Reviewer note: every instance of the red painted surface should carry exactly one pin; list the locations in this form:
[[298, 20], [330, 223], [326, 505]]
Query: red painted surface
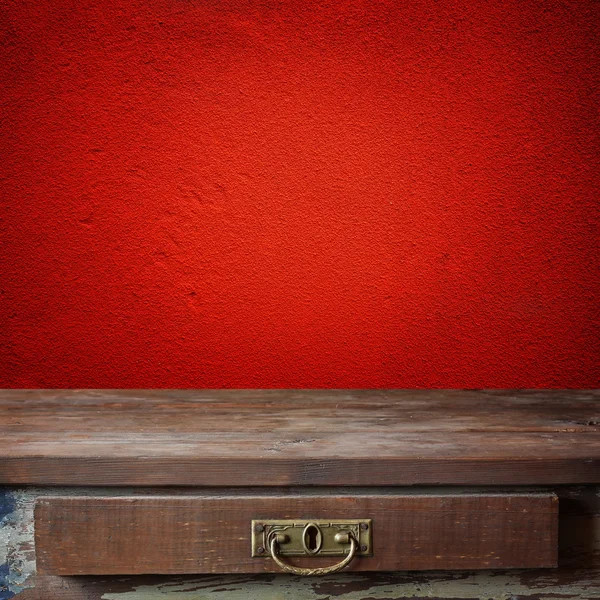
[[209, 193]]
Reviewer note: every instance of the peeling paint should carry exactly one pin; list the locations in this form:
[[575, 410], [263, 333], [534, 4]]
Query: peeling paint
[[463, 586], [17, 557], [17, 539], [5, 593], [7, 504], [581, 536]]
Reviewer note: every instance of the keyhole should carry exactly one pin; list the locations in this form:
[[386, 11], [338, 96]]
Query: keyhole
[[312, 539]]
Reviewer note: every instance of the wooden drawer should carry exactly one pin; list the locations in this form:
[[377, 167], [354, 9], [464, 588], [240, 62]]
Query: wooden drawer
[[211, 532]]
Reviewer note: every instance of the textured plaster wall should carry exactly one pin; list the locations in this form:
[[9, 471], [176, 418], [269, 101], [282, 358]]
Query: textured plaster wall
[[261, 193]]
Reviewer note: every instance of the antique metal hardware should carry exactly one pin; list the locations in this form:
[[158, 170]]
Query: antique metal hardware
[[274, 547], [318, 537]]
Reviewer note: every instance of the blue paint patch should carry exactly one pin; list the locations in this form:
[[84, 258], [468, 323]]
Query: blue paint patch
[[7, 504], [5, 593]]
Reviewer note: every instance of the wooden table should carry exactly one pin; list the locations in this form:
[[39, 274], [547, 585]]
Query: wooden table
[[135, 483]]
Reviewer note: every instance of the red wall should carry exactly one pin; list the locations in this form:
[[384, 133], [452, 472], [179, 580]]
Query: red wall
[[262, 193]]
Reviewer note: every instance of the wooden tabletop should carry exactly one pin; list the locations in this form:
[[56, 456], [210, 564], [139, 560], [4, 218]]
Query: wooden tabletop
[[299, 437]]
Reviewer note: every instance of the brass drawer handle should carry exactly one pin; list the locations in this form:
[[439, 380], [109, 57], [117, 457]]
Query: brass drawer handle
[[274, 547]]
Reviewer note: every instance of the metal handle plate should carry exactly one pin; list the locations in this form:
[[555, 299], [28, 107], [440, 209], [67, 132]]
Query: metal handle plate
[[313, 537]]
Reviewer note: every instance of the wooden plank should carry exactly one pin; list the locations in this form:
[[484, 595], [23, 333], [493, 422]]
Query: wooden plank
[[211, 533], [565, 583], [299, 437], [382, 460], [578, 575], [326, 411]]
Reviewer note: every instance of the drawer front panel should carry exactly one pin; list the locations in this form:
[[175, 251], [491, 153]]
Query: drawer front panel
[[212, 533]]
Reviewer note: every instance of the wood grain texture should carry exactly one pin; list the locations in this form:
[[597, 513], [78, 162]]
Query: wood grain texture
[[299, 437], [211, 533], [577, 578], [565, 583]]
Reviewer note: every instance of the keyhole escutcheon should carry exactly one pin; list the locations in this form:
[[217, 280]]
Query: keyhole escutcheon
[[312, 539]]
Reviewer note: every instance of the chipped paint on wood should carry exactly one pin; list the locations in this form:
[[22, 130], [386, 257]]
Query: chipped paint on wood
[[17, 557], [490, 585], [5, 593], [579, 578], [524, 585], [17, 543]]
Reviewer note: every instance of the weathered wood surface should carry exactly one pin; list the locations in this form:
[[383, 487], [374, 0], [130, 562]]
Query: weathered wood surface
[[578, 575], [564, 583], [211, 533], [299, 437]]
